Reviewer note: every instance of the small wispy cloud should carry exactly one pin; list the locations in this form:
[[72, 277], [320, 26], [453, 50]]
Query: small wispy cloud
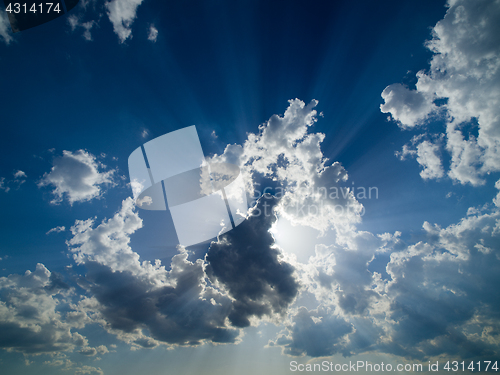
[[57, 230], [5, 34], [153, 33], [19, 179], [74, 22]]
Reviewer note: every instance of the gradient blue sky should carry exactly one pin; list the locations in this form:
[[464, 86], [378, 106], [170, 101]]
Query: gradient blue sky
[[82, 92]]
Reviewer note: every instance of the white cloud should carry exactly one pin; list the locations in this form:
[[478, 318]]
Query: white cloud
[[465, 70], [286, 152], [76, 177], [66, 364], [88, 26], [440, 297], [74, 22], [122, 14], [90, 351], [30, 317], [108, 243], [409, 107], [19, 179], [428, 158], [436, 297], [57, 229], [496, 200], [405, 152], [149, 298], [88, 370], [5, 32], [153, 33], [20, 174]]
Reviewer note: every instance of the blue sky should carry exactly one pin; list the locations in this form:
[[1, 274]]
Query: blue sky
[[401, 97]]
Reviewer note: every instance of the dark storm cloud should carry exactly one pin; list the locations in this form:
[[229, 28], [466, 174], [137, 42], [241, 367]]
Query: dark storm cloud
[[171, 314], [247, 264]]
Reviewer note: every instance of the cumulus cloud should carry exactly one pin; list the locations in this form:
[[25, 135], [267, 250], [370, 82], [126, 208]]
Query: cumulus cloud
[[440, 296], [286, 153], [143, 303], [90, 351], [464, 73], [30, 317], [243, 276], [122, 14], [246, 262], [108, 243], [436, 297], [181, 311], [76, 177], [315, 333], [338, 274], [408, 107], [428, 157], [443, 292]]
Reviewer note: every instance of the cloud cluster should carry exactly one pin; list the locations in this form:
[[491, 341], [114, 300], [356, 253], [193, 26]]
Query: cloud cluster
[[19, 179], [286, 153], [76, 177], [145, 305], [121, 14], [67, 365], [440, 296], [435, 297], [464, 76], [75, 23], [30, 317]]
